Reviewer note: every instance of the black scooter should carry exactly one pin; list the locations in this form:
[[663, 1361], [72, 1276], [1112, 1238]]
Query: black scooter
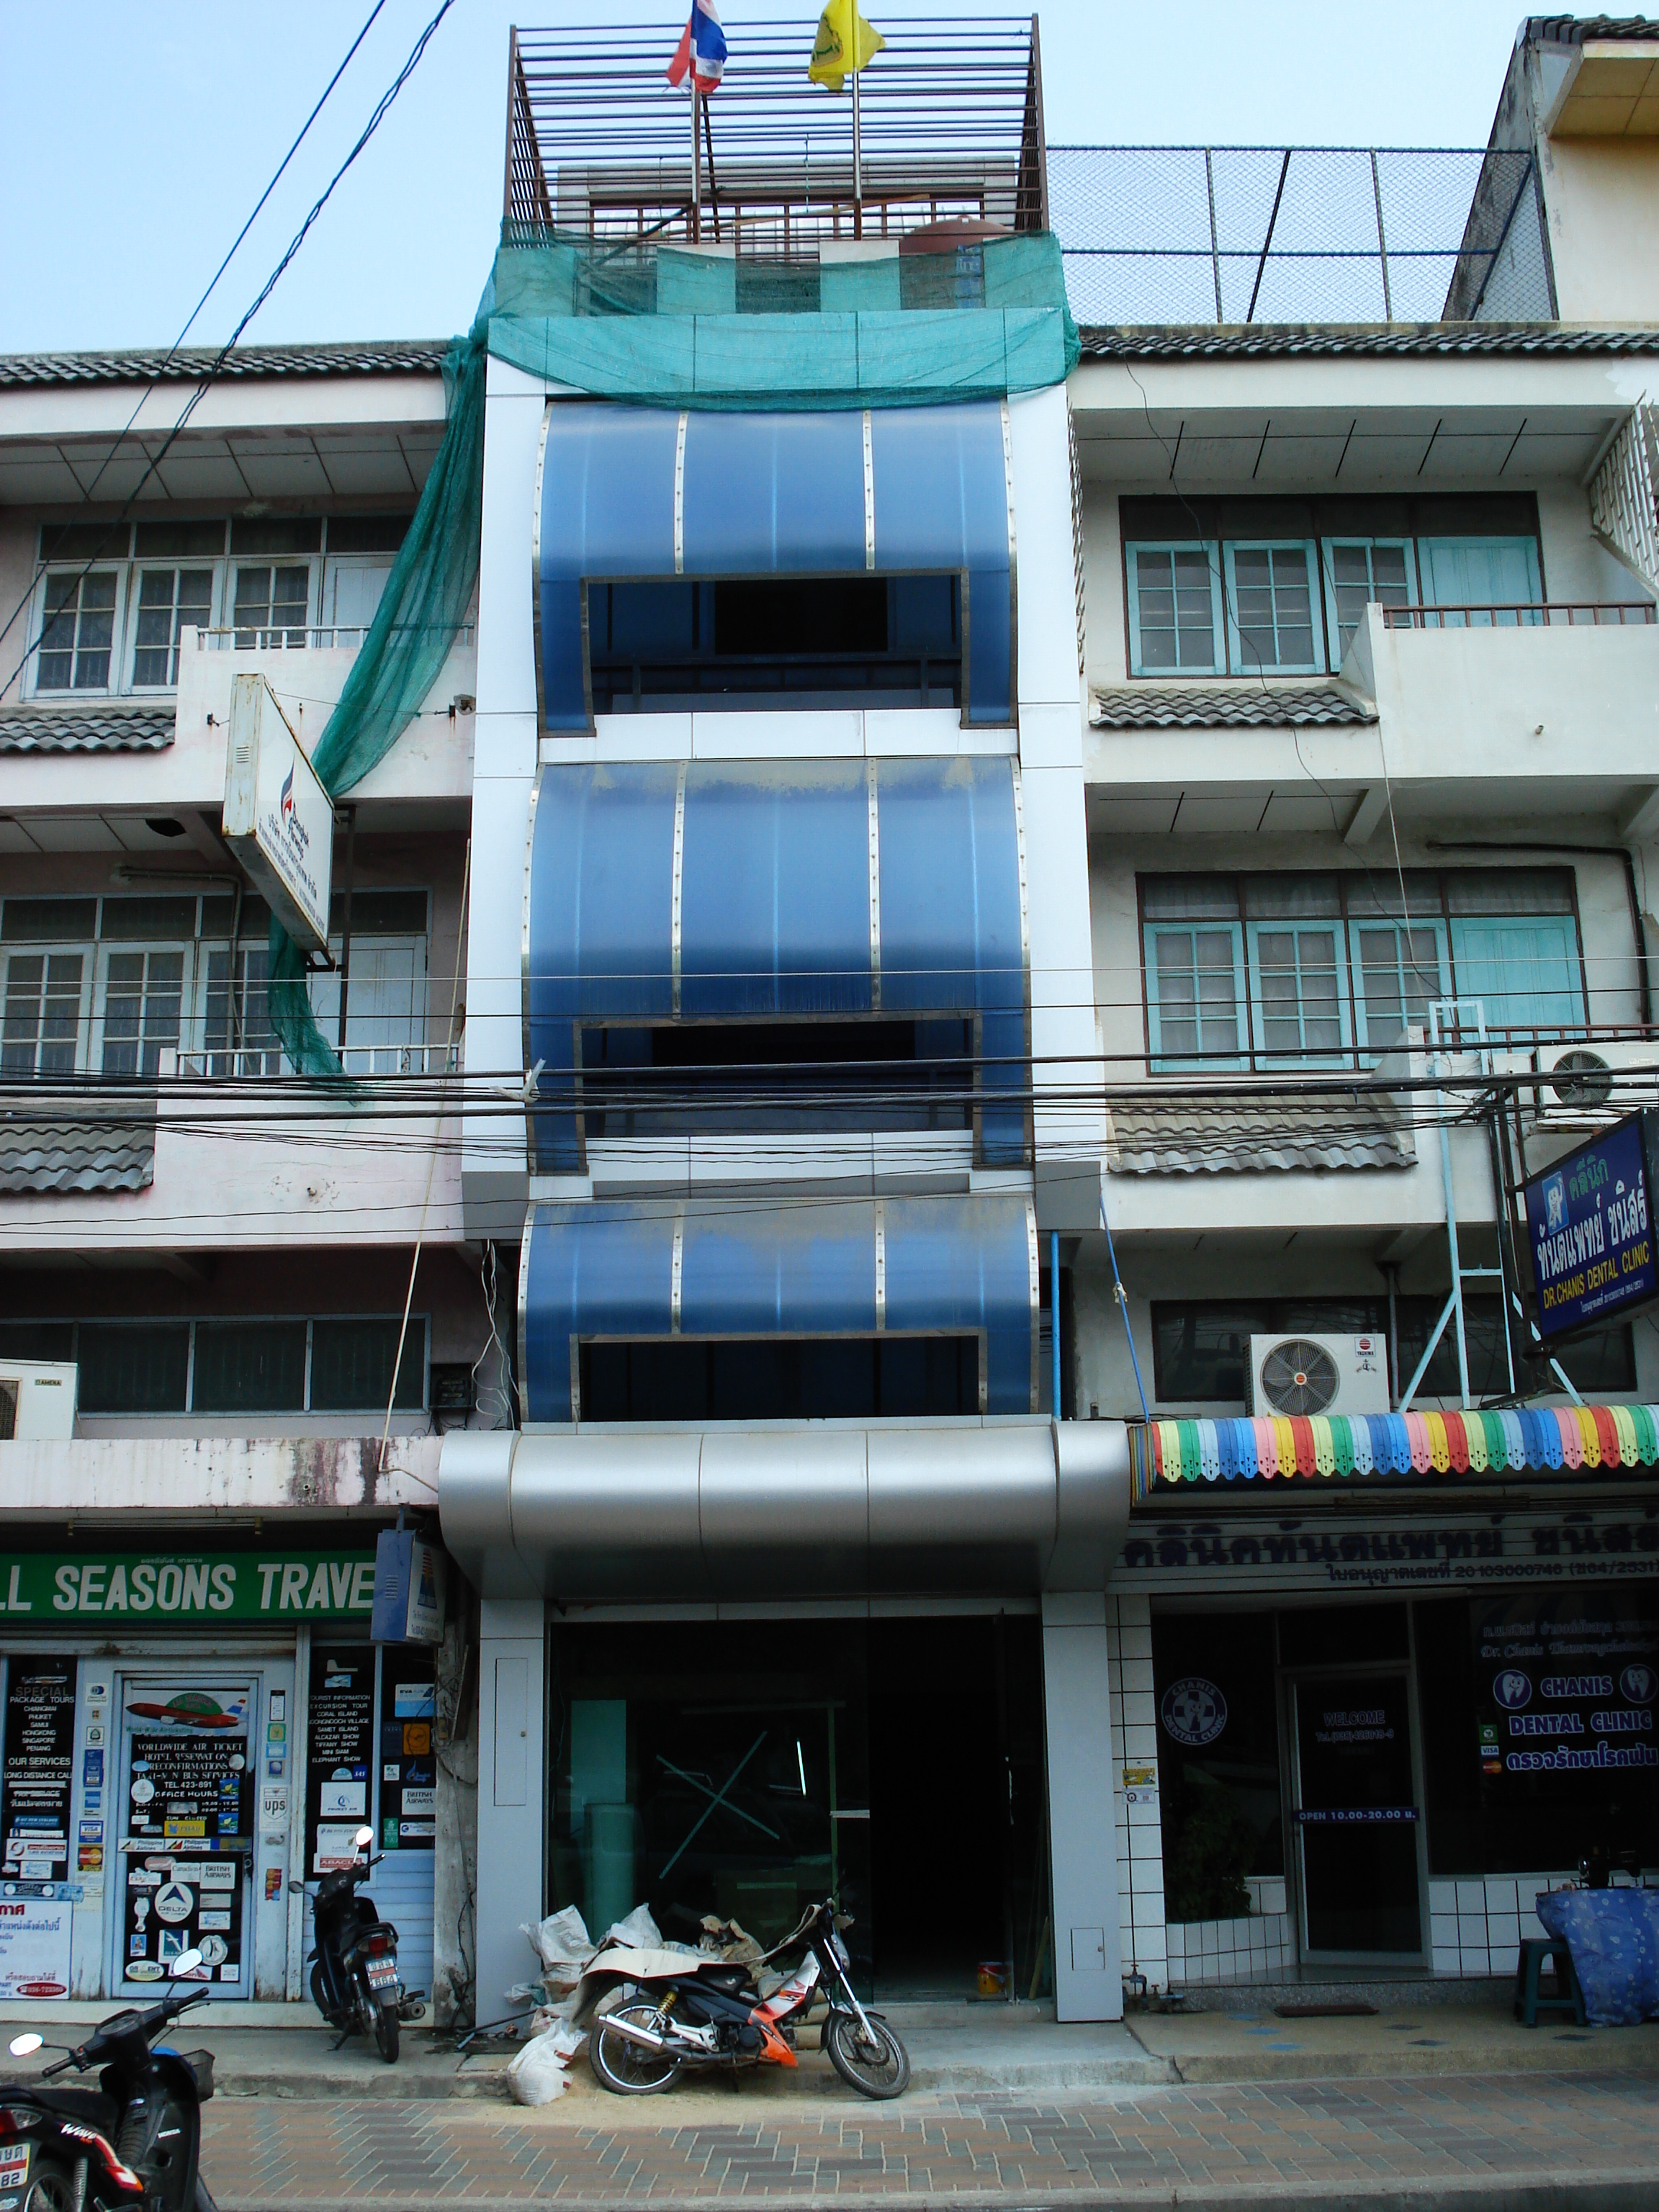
[[354, 1974], [131, 2144]]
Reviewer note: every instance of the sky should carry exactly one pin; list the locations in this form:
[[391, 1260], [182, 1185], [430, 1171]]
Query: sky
[[137, 137]]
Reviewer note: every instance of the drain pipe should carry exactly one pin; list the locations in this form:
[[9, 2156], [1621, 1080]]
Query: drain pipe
[[1054, 1312], [1123, 1308]]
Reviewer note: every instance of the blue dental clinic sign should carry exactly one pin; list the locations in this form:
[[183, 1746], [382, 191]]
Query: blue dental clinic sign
[[1590, 1222]]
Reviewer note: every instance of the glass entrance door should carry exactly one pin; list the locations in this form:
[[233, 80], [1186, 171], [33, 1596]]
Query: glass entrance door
[[711, 1771], [184, 1807], [1355, 1817]]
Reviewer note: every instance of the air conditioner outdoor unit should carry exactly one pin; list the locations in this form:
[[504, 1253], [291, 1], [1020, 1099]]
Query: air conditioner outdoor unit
[[1592, 1085], [37, 1400], [1293, 1374]]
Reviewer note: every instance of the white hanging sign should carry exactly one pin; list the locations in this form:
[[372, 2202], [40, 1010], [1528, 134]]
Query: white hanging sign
[[278, 818]]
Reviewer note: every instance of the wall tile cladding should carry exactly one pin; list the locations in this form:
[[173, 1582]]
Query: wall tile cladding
[[1134, 1741], [1476, 1923]]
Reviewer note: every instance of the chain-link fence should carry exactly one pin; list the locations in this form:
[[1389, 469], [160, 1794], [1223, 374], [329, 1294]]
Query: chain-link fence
[[1298, 234]]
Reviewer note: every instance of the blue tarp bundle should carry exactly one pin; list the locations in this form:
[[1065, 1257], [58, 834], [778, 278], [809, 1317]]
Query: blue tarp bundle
[[1613, 1937]]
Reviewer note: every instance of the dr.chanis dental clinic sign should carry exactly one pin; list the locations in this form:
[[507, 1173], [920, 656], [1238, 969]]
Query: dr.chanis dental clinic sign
[[278, 819]]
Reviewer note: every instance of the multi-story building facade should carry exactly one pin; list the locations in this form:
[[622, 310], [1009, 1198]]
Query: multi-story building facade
[[209, 1268], [965, 892]]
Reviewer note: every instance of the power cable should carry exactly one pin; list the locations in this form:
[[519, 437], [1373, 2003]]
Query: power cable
[[269, 285], [156, 375]]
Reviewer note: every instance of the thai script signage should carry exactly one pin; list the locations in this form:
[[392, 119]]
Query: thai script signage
[[1566, 1682], [1412, 1551], [1589, 1228], [43, 1590]]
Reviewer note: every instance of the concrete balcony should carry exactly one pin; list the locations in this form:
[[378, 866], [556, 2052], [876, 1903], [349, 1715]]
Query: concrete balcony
[[180, 1166], [432, 762], [1479, 712]]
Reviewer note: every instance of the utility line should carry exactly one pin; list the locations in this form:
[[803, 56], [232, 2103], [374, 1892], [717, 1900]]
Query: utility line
[[269, 287], [157, 374]]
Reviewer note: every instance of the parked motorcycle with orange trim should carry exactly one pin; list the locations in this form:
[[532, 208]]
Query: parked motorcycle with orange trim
[[681, 2012]]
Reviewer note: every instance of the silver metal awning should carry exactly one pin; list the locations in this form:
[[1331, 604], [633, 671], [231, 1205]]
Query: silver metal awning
[[823, 1509]]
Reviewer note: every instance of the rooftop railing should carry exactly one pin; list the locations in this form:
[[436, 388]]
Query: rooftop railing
[[1237, 234], [599, 143]]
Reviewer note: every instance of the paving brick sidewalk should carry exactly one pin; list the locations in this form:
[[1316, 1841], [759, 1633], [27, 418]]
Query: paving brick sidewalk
[[1313, 2141]]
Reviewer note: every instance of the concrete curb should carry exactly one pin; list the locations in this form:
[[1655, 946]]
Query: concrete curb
[[1618, 2192]]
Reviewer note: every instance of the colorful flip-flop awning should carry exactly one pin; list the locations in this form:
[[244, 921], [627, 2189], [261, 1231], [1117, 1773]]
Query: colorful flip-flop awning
[[1387, 1447]]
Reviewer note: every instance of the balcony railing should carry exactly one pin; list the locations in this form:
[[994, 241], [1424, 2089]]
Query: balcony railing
[[357, 1059], [308, 638], [1527, 615]]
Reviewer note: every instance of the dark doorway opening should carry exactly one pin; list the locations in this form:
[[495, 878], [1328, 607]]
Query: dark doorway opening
[[958, 1833]]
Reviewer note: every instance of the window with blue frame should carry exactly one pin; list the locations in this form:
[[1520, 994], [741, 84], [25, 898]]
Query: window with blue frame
[[1361, 572], [1299, 981], [1274, 969], [1268, 585], [1273, 608], [1174, 611]]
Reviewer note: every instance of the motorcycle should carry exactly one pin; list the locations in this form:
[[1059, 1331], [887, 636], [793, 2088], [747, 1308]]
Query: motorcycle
[[354, 1967], [132, 2143], [701, 2013]]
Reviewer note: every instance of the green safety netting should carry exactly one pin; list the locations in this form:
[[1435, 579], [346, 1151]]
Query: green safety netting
[[421, 612], [679, 326], [671, 325]]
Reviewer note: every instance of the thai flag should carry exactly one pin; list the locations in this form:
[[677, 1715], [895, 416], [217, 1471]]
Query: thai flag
[[702, 48]]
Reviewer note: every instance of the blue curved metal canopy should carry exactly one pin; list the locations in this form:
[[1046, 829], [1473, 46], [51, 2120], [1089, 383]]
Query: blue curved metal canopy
[[806, 889]]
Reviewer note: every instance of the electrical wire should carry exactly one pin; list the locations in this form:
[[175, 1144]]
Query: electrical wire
[[266, 289]]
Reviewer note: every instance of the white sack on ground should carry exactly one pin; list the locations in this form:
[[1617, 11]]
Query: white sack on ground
[[562, 1944], [639, 1932]]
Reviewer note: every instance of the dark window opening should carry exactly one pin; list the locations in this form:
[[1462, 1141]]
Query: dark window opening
[[779, 1378], [1201, 1348], [760, 1075], [822, 641]]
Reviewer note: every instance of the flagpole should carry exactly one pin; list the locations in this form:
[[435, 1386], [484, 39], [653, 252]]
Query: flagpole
[[696, 168], [858, 151]]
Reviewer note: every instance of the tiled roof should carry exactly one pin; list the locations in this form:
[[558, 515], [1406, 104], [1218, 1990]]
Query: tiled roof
[[1169, 1135], [86, 729], [391, 357], [1211, 340], [1222, 707], [92, 1145], [1577, 30]]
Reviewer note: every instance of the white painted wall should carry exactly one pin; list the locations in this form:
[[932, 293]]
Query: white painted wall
[[1076, 1691], [512, 1804]]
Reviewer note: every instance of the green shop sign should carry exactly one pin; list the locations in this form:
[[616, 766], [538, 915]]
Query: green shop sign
[[292, 1586]]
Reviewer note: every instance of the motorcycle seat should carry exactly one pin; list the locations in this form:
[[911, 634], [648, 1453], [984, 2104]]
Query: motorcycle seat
[[731, 1981], [91, 2107]]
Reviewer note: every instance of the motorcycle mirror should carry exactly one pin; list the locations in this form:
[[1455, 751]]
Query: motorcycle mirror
[[296, 1889], [363, 1837], [185, 1963], [24, 2046]]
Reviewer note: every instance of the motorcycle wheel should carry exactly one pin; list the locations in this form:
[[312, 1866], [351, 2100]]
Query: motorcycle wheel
[[876, 2065], [386, 2033], [629, 2070], [51, 2190]]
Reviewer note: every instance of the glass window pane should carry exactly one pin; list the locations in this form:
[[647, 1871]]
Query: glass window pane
[[133, 1367], [250, 1367], [351, 1366]]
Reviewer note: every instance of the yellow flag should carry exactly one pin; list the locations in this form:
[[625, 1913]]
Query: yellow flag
[[845, 42]]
